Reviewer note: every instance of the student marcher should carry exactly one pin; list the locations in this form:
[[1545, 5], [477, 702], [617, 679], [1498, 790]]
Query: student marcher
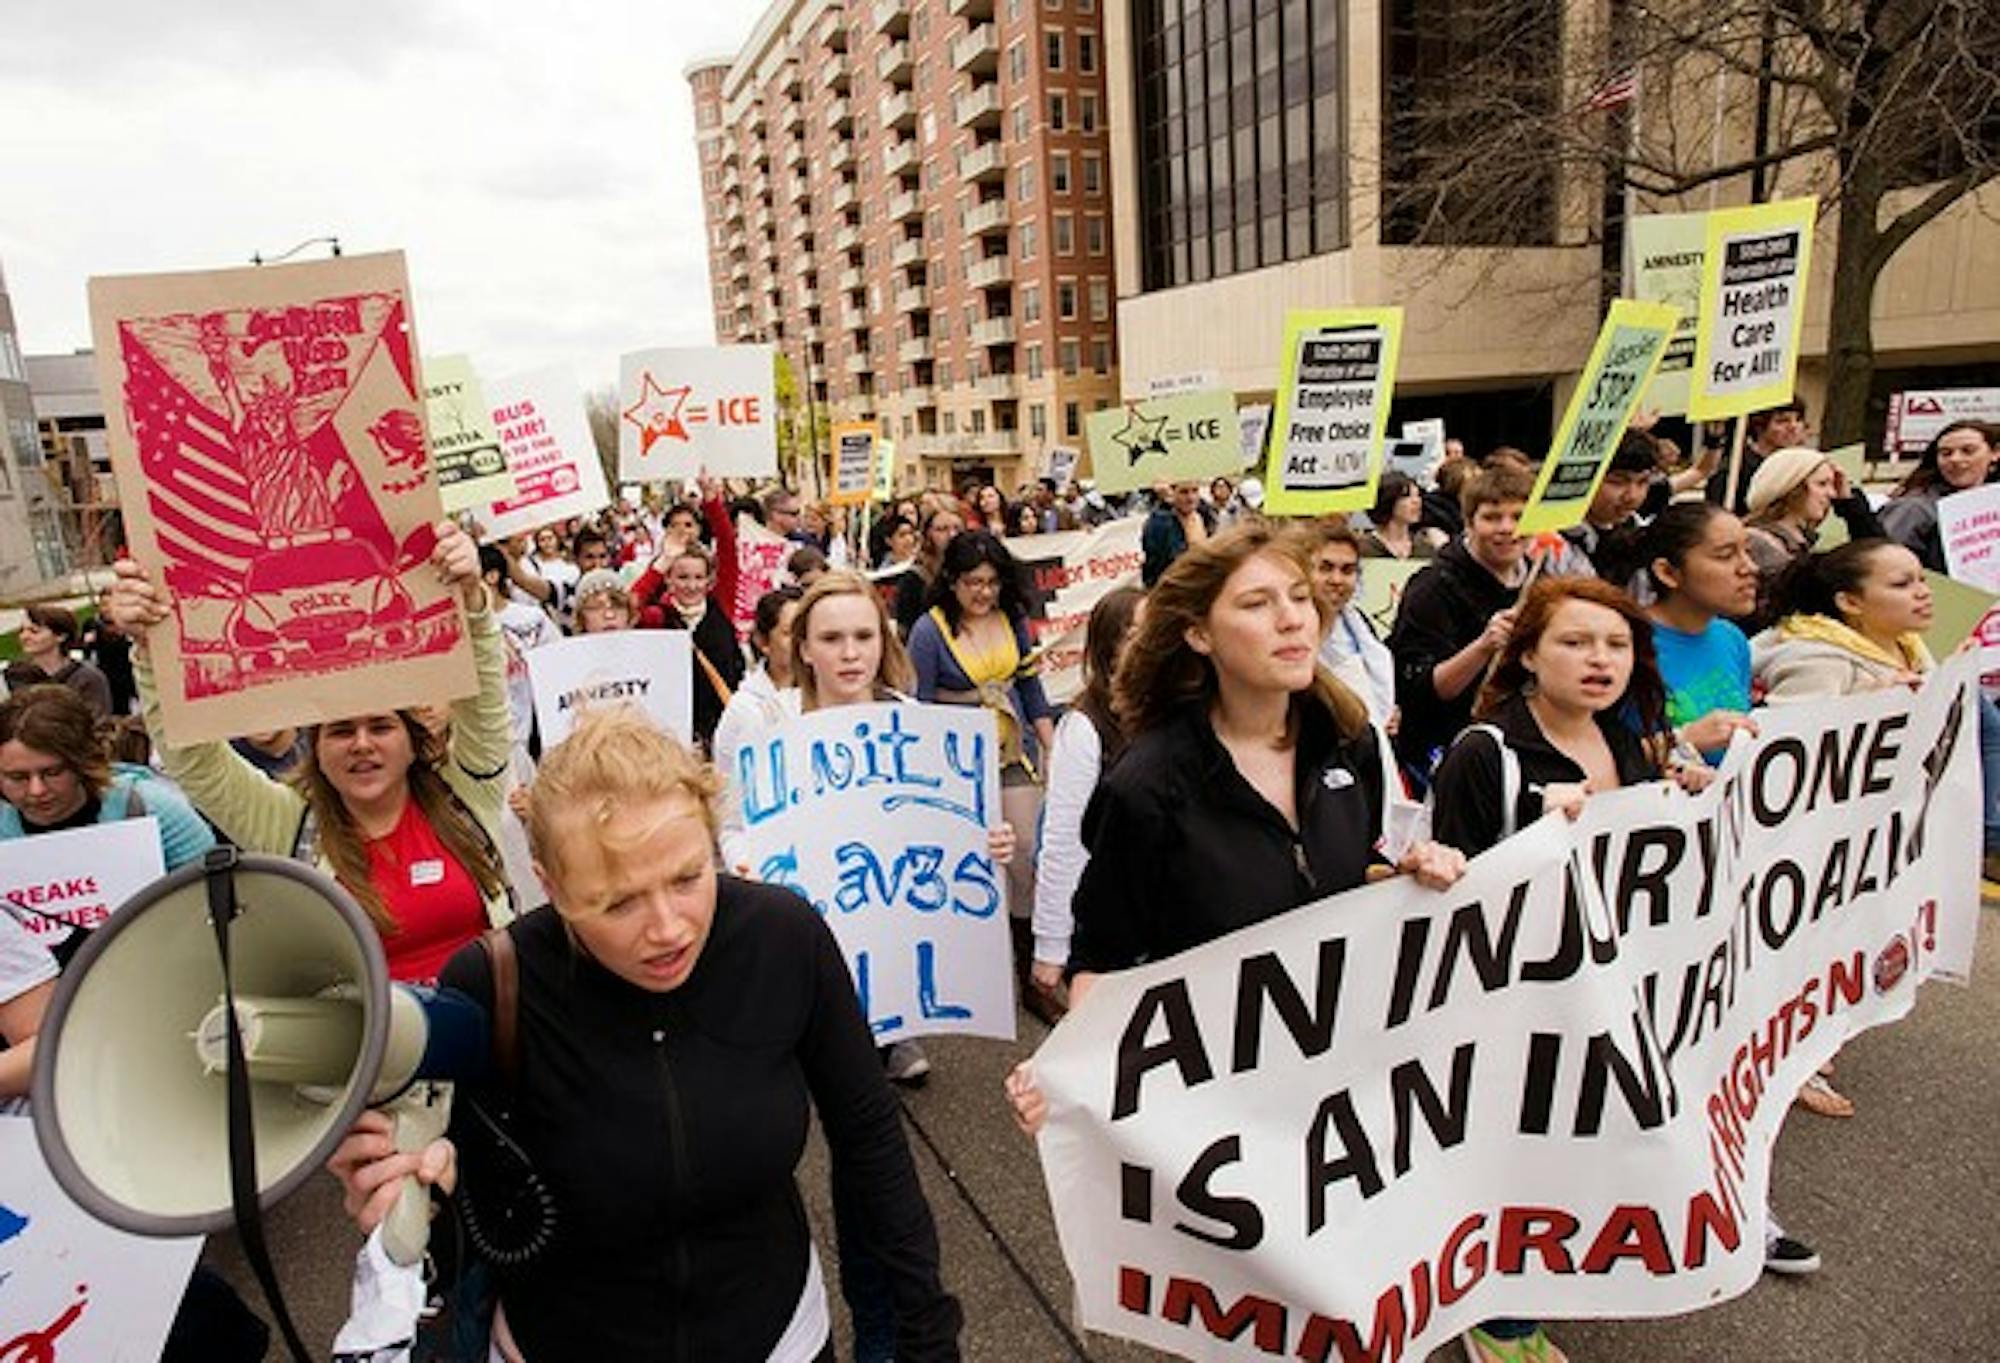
[[709, 1020], [410, 826], [47, 636]]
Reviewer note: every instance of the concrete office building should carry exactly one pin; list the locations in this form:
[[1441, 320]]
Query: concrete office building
[[69, 413], [1249, 160], [910, 199], [31, 539]]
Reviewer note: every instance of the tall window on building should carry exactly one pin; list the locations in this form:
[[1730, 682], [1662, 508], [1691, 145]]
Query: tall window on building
[[1444, 79], [1241, 160]]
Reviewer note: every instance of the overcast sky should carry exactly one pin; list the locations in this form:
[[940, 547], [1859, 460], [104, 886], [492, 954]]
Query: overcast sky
[[536, 162]]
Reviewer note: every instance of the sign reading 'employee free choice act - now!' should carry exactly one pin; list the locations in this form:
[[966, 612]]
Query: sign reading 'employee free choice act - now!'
[[1753, 296], [1338, 372]]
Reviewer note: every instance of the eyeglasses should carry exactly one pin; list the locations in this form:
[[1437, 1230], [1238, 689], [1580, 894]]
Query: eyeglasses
[[48, 776], [980, 584]]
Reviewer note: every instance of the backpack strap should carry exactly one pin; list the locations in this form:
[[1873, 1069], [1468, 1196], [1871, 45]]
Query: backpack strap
[[505, 964], [1510, 776]]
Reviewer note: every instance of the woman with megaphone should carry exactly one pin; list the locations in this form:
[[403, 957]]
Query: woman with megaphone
[[674, 1029], [407, 823]]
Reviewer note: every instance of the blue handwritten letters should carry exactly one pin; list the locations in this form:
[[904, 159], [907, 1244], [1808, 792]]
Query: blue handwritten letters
[[880, 815]]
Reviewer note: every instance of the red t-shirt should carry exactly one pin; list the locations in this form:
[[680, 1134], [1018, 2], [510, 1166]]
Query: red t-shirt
[[435, 901]]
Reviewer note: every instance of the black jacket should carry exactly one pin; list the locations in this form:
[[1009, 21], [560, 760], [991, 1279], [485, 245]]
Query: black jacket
[[667, 1128], [1466, 810], [1184, 850], [715, 638], [1445, 607]]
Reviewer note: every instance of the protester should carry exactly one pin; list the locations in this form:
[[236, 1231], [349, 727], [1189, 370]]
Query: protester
[[1960, 456], [1698, 558], [1441, 503], [1351, 650], [589, 551], [759, 704], [27, 981], [410, 827], [805, 566], [1395, 528], [110, 652], [47, 636], [1455, 615], [988, 509], [1848, 621], [1608, 535], [604, 604], [1251, 782], [1574, 705], [1023, 519], [1088, 740], [1179, 520], [275, 752], [718, 659], [913, 589], [973, 648], [56, 773], [704, 1013], [1765, 433], [892, 542], [782, 516], [523, 629], [1795, 490]]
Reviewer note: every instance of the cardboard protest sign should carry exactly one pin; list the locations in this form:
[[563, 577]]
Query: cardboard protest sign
[[1753, 307], [1418, 452], [1192, 436], [1607, 392], [268, 439], [649, 668], [1062, 464], [1380, 593], [465, 446], [545, 433], [693, 410], [856, 469], [1918, 416], [1957, 609], [1067, 575], [1336, 376], [1357, 1128], [1667, 251], [77, 878], [1253, 428], [885, 468], [878, 814], [1969, 529], [72, 1287]]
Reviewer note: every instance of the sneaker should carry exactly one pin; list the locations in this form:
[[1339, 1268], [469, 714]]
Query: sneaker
[[1535, 1347], [1788, 1257], [905, 1063]]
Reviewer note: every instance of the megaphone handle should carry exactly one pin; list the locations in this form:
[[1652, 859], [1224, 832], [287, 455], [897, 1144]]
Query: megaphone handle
[[421, 1115]]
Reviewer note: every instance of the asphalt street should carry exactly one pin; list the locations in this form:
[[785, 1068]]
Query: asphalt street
[[1900, 1201]]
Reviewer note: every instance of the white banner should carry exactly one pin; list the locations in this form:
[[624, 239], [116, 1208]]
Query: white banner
[[649, 668], [1916, 417], [693, 410], [70, 1286], [57, 882], [1357, 1129], [879, 815], [1067, 574], [550, 451], [1969, 529]]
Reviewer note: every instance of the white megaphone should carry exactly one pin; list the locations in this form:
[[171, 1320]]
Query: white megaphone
[[130, 1089]]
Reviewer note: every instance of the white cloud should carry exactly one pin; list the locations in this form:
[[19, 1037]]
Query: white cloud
[[537, 164]]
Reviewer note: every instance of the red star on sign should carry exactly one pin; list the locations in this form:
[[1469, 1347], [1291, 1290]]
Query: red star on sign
[[657, 413]]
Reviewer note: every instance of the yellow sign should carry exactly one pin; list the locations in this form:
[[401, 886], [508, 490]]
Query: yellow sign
[[854, 466], [1753, 308], [1628, 349], [1336, 378]]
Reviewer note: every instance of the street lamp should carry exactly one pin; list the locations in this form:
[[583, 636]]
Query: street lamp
[[259, 258]]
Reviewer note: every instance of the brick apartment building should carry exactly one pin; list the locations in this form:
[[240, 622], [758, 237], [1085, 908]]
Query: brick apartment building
[[911, 200]]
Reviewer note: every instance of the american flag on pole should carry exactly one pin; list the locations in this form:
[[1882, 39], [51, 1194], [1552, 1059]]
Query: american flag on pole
[[1615, 91], [199, 494]]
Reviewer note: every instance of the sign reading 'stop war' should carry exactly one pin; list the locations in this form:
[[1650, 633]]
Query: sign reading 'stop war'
[[1607, 392], [1189, 436], [693, 410], [1338, 372], [1753, 304]]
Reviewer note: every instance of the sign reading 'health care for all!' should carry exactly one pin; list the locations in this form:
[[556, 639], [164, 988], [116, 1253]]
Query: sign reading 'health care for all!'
[[1337, 374], [880, 814], [1628, 348], [1753, 307]]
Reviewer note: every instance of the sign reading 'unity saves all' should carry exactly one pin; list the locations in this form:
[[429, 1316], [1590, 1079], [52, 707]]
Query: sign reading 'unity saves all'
[[1354, 1130]]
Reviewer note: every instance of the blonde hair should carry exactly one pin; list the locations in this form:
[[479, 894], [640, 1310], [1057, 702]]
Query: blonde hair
[[893, 673], [614, 759]]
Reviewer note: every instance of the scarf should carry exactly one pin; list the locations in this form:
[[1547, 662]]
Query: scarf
[[1910, 655], [992, 673]]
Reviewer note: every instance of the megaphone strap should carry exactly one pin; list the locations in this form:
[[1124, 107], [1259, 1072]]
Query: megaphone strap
[[219, 868]]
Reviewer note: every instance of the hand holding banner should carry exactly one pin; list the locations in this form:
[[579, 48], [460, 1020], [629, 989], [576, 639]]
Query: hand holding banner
[[879, 814]]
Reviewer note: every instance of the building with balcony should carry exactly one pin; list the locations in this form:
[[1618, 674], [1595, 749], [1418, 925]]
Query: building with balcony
[[958, 203], [33, 546]]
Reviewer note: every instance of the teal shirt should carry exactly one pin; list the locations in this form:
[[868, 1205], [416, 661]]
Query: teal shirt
[[1704, 672]]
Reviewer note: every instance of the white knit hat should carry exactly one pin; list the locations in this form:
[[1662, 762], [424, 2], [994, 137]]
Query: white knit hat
[[1779, 474]]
